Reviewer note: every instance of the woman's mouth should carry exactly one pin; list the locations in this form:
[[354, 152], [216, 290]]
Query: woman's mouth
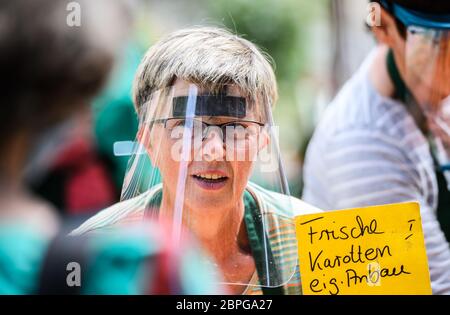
[[210, 181]]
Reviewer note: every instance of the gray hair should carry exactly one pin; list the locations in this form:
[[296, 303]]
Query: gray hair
[[206, 56]]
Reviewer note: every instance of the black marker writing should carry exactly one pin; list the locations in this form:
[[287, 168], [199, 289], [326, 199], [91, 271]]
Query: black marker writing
[[354, 256], [344, 232]]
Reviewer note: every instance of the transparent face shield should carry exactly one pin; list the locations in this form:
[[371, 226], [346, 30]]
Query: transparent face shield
[[215, 156], [428, 67], [428, 78]]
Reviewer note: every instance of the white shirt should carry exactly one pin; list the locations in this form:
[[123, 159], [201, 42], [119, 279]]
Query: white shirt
[[368, 150]]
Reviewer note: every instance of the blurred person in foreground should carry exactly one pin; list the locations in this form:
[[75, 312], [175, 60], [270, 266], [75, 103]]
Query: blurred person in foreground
[[386, 136], [50, 73], [86, 162], [204, 97]]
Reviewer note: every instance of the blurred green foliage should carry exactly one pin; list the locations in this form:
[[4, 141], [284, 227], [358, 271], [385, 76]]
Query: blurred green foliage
[[276, 26]]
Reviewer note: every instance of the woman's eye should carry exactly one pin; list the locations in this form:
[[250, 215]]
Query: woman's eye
[[180, 123], [237, 125]]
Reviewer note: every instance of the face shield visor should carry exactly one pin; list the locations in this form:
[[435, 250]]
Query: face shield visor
[[427, 72], [215, 154], [428, 68]]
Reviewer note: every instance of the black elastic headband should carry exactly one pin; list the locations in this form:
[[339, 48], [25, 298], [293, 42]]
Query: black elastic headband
[[211, 105]]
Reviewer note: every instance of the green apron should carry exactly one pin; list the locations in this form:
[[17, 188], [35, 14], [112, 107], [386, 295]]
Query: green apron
[[254, 226]]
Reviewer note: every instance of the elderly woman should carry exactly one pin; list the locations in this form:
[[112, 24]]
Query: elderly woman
[[204, 99]]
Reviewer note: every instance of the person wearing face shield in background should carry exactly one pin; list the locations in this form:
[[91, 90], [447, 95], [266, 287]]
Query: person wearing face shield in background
[[51, 71], [386, 136], [204, 98]]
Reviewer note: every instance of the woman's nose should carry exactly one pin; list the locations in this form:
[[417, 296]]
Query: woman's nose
[[212, 145]]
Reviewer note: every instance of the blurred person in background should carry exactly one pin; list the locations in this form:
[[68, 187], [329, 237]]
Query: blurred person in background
[[51, 70], [204, 98], [386, 136], [85, 161]]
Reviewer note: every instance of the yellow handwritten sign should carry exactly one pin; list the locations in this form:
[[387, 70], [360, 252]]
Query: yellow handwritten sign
[[372, 250]]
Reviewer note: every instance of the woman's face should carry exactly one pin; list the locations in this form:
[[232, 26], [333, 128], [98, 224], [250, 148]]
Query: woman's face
[[427, 67], [213, 174]]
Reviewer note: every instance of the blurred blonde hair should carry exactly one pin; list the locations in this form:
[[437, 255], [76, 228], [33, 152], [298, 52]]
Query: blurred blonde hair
[[207, 56]]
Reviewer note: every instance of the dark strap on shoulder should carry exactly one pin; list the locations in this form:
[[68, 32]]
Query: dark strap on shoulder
[[400, 87], [256, 236], [152, 208], [403, 94]]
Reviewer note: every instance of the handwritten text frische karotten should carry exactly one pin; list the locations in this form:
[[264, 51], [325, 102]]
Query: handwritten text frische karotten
[[356, 254], [368, 250]]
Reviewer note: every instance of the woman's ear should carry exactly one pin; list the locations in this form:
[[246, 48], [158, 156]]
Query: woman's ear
[[387, 32], [145, 140]]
